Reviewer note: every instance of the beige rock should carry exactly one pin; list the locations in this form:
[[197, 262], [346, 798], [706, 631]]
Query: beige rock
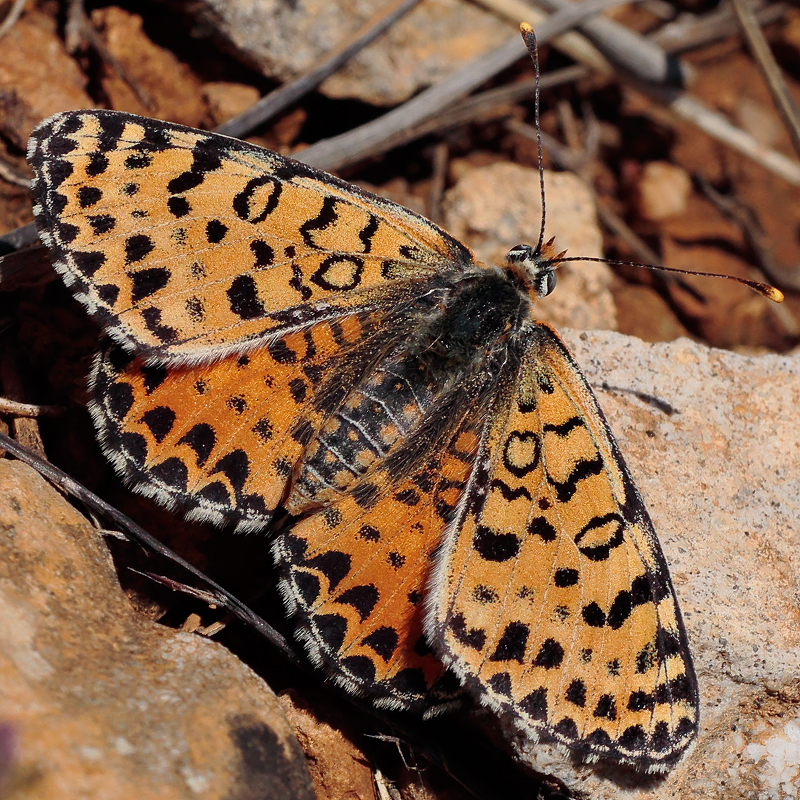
[[282, 40], [721, 478], [34, 88], [663, 191], [98, 702], [496, 207], [226, 100]]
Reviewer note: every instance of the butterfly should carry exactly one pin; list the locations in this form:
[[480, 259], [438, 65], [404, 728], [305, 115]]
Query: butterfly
[[462, 517]]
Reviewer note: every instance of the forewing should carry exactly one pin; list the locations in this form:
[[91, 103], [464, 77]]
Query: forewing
[[354, 575], [221, 439], [552, 600], [187, 245]]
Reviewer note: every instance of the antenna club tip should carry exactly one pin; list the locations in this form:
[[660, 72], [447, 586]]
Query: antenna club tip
[[525, 28], [776, 295]]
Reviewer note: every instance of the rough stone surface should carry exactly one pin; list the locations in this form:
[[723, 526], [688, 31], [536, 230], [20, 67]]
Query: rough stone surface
[[34, 88], [98, 702], [167, 89], [338, 767], [495, 207], [663, 191], [719, 469], [282, 40]]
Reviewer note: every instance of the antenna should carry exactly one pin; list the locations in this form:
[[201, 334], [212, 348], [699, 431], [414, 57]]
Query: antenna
[[770, 292], [529, 37]]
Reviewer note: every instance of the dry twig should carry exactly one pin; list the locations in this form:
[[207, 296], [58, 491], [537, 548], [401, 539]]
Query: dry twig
[[275, 102], [379, 135], [760, 50], [15, 12]]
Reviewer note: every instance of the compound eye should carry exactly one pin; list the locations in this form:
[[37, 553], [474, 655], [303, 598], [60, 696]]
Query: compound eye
[[545, 283]]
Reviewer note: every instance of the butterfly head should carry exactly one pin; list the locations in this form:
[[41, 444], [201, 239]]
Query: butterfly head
[[534, 267]]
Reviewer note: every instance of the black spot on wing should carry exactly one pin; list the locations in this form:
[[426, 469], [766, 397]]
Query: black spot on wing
[[138, 247], [89, 196], [326, 217], [152, 321], [243, 298], [383, 641], [172, 473], [202, 439], [493, 546], [362, 598], [334, 565], [576, 693], [583, 469], [474, 638], [146, 282], [160, 421], [511, 646], [535, 704], [550, 655]]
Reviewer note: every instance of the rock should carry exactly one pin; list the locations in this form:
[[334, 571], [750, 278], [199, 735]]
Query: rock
[[720, 474], [227, 100], [34, 88], [283, 40], [167, 88], [338, 767], [493, 208], [98, 702], [663, 191]]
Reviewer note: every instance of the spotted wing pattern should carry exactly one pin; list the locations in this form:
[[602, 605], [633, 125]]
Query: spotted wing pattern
[[186, 244], [282, 338], [355, 576], [223, 438], [552, 599]]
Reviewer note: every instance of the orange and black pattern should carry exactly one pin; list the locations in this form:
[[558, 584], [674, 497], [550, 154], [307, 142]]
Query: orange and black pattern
[[462, 516]]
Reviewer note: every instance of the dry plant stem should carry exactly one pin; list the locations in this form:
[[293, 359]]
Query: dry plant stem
[[14, 13], [690, 31], [25, 429], [716, 125], [277, 101], [571, 44], [439, 169], [20, 237], [760, 50], [222, 598], [628, 50], [8, 173], [377, 136], [17, 409]]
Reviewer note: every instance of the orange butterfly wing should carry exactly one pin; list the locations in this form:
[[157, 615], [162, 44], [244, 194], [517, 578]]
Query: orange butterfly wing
[[187, 245], [552, 600]]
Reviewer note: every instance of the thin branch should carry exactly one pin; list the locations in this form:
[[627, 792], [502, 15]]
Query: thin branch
[[79, 29], [371, 139], [10, 174], [11, 18], [719, 127], [629, 50], [690, 31], [760, 50], [277, 101], [17, 409], [571, 44]]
